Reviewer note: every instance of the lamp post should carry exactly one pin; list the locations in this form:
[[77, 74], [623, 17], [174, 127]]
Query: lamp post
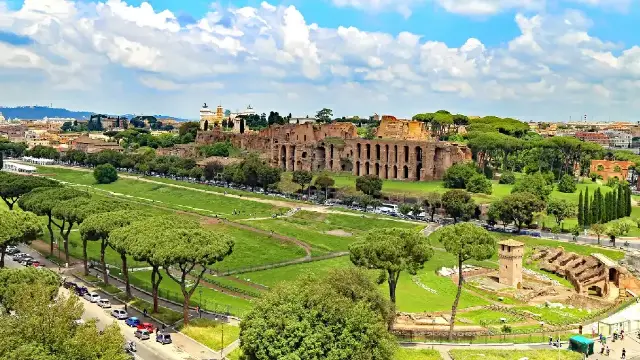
[[222, 343], [200, 307]]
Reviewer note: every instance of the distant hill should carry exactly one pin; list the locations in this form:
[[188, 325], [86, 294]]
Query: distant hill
[[40, 112]]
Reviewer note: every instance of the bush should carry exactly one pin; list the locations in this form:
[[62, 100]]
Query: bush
[[105, 174], [567, 184], [612, 181], [456, 176], [479, 184], [507, 178]]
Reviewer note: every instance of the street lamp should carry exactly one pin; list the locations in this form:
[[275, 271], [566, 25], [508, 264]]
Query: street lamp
[[200, 312]]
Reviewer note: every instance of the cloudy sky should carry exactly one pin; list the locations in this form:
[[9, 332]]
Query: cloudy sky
[[530, 59]]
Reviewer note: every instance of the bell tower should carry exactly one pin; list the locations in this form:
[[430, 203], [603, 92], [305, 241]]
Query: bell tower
[[510, 253]]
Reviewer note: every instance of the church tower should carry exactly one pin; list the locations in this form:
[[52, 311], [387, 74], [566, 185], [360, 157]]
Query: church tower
[[510, 253]]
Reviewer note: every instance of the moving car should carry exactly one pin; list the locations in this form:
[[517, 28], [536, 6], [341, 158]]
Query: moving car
[[146, 326], [18, 256], [132, 321], [163, 338], [91, 296], [119, 314], [142, 334], [104, 303], [12, 250]]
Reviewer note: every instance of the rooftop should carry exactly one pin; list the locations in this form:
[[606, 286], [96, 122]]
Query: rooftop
[[510, 242]]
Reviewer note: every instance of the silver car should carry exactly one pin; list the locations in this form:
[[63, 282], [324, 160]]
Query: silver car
[[119, 314], [93, 297], [104, 303]]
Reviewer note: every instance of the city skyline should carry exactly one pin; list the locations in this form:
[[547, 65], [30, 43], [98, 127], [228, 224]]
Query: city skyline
[[541, 62]]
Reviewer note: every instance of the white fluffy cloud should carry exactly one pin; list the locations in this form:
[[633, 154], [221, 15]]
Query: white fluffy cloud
[[114, 57]]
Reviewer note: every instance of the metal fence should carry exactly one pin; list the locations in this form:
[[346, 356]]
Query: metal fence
[[533, 338]]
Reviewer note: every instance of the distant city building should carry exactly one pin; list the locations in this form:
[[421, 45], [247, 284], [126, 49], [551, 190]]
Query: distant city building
[[302, 120], [210, 119], [90, 146], [610, 169], [593, 137], [237, 116], [619, 139]]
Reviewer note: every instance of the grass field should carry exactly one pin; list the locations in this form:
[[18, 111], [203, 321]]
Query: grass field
[[254, 249], [188, 200], [514, 354], [205, 297], [318, 229], [210, 333], [411, 354]]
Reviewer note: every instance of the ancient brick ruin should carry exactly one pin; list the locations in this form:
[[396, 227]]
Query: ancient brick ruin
[[337, 147], [590, 275]]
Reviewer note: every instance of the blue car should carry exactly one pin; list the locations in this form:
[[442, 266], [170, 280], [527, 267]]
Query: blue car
[[132, 321]]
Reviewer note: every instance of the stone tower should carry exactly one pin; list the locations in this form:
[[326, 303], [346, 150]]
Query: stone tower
[[510, 253]]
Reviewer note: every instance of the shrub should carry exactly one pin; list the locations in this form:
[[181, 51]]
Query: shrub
[[507, 178], [613, 181], [105, 174], [567, 184], [479, 184]]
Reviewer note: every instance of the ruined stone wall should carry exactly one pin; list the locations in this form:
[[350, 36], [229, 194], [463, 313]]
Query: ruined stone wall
[[392, 128], [336, 147]]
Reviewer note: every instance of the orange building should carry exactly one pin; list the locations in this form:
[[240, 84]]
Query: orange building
[[608, 169]]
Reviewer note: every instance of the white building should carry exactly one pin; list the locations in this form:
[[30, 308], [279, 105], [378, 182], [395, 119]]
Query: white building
[[235, 117], [19, 168], [304, 120], [619, 139]]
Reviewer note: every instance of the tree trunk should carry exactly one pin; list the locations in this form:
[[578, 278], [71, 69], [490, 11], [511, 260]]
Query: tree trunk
[[103, 265], [598, 239], [50, 228], [185, 307], [125, 275], [155, 285], [9, 205], [454, 308], [3, 249], [84, 257], [392, 288]]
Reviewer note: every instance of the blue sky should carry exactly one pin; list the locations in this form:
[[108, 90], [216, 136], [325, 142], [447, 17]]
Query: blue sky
[[544, 60]]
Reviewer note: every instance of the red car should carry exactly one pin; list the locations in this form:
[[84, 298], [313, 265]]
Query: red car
[[146, 326]]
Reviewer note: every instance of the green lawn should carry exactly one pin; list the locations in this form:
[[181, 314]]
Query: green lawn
[[514, 354], [254, 249], [177, 198], [211, 333], [211, 299], [233, 285], [411, 297], [414, 354], [316, 229], [488, 317]]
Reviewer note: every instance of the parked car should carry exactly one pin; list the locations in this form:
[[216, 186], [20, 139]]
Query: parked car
[[142, 334], [81, 290], [26, 261], [12, 250], [119, 314], [132, 321], [36, 263], [69, 285], [146, 326], [91, 296], [163, 338], [104, 303], [18, 256]]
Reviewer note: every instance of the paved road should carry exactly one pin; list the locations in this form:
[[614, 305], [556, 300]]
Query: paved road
[[147, 349]]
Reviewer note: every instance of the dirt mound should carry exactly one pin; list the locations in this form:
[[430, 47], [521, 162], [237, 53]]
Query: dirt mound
[[339, 232]]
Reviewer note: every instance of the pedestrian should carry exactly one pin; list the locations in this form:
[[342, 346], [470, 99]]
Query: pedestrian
[[624, 353], [144, 312], [125, 306]]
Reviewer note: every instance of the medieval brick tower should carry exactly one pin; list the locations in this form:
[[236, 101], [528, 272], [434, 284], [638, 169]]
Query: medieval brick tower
[[510, 253]]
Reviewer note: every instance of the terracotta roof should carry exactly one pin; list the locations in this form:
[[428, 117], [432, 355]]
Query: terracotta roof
[[511, 242]]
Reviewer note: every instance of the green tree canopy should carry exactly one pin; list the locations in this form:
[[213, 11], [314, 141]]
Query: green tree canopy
[[392, 251], [432, 201], [457, 176], [560, 209], [479, 184], [465, 241], [188, 253], [41, 202], [12, 281], [45, 329], [105, 174], [520, 207], [535, 184], [17, 227], [140, 239], [369, 185], [302, 178], [13, 186], [340, 316], [324, 182], [458, 204], [567, 184]]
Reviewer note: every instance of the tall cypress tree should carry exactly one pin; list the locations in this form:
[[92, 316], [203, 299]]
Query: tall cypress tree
[[621, 203], [603, 208], [580, 211], [596, 215], [628, 208], [587, 210]]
